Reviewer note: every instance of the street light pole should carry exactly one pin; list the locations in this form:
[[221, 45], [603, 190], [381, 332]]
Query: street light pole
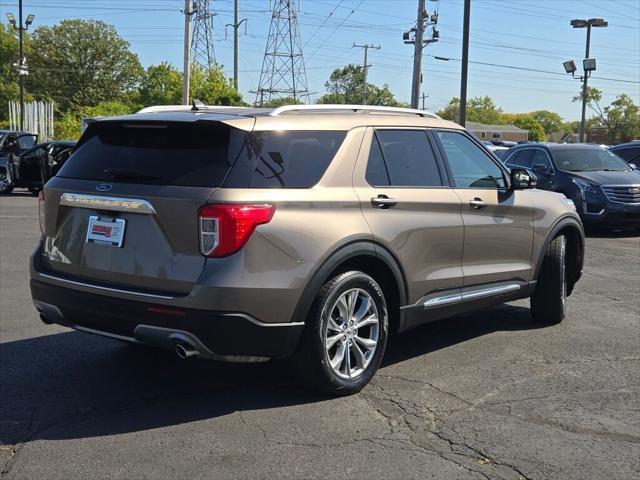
[[22, 67], [577, 23], [584, 87]]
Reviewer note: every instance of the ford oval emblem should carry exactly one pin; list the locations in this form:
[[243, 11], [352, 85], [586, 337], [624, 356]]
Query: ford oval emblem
[[103, 187]]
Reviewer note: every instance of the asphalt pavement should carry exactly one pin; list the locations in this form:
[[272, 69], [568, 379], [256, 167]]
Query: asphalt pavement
[[485, 396]]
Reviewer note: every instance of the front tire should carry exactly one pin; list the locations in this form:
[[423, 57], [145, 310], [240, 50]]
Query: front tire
[[6, 186], [345, 336], [549, 301]]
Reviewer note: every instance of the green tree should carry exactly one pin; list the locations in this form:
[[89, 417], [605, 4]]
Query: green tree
[[213, 87], [161, 85], [527, 122], [479, 109], [346, 86], [8, 73], [550, 121], [67, 127], [621, 117], [278, 102], [80, 63]]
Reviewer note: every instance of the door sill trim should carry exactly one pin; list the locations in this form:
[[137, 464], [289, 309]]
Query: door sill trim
[[460, 295]]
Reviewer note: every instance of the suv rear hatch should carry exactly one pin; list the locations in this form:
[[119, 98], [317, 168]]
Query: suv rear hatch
[[123, 210]]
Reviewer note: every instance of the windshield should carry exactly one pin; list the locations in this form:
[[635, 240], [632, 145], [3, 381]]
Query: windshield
[[589, 160]]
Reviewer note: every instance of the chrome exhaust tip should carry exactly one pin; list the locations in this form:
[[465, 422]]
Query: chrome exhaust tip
[[186, 351]]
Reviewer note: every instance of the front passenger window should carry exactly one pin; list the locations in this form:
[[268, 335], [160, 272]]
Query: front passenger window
[[470, 166]]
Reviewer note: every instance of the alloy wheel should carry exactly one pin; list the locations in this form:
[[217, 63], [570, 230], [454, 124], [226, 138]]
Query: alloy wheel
[[352, 332]]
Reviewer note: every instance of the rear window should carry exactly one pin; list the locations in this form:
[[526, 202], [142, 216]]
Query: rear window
[[284, 159], [183, 154]]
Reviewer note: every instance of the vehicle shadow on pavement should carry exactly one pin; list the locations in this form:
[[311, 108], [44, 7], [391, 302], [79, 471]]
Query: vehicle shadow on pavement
[[74, 385]]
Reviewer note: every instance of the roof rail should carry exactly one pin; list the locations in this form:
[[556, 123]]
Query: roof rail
[[176, 108], [353, 108]]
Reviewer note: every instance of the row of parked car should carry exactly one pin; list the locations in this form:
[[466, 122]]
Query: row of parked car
[[603, 182], [25, 163]]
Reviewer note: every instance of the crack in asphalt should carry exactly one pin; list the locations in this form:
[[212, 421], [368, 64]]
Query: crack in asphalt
[[479, 459]]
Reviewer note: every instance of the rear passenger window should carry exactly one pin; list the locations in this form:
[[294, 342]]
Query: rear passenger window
[[522, 158], [402, 158], [284, 159]]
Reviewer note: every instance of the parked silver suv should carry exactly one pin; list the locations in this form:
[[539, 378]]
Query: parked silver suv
[[309, 232]]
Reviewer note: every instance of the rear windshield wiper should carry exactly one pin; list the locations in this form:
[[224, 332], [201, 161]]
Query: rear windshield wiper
[[124, 174]]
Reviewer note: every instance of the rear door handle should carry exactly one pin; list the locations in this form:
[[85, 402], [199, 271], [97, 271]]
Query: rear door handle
[[382, 201], [477, 204]]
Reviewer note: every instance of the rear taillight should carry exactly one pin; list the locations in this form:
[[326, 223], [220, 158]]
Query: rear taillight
[[225, 228], [41, 210]]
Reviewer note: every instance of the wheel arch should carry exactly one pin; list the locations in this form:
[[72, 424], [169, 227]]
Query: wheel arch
[[574, 232], [367, 256]]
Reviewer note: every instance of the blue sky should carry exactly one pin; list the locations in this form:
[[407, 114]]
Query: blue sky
[[520, 33]]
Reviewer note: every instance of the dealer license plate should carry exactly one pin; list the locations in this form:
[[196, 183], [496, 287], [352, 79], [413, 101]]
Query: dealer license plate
[[105, 231]]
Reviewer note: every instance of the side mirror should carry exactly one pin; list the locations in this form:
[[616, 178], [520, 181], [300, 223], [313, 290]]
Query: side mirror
[[634, 166], [522, 179], [541, 169]]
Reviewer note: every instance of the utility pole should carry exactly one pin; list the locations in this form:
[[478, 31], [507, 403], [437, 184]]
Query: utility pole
[[21, 64], [423, 97], [419, 43], [186, 69], [417, 56], [465, 63], [366, 66], [235, 25]]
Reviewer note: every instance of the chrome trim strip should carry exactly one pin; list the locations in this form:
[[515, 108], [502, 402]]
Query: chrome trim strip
[[99, 202], [443, 300], [262, 324], [107, 289], [470, 295], [487, 292]]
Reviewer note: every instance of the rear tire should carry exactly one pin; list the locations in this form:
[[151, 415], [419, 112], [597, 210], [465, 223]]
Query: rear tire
[[345, 336], [549, 301]]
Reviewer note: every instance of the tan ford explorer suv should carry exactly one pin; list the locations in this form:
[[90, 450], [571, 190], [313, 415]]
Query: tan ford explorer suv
[[309, 232]]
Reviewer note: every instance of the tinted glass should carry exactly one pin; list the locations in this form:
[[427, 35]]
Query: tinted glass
[[540, 157], [186, 154], [628, 153], [26, 141], [409, 158], [471, 167], [522, 158], [588, 160], [377, 175], [284, 159]]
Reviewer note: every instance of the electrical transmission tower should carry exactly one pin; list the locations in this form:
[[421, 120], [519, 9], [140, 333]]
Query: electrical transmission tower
[[202, 53], [283, 73]]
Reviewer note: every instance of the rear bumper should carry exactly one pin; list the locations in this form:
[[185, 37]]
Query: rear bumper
[[220, 335]]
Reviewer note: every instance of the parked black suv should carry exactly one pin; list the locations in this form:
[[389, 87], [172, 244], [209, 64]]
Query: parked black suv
[[630, 152], [604, 188]]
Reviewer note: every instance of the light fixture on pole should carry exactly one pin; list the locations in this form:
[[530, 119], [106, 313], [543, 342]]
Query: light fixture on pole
[[588, 64], [21, 64]]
